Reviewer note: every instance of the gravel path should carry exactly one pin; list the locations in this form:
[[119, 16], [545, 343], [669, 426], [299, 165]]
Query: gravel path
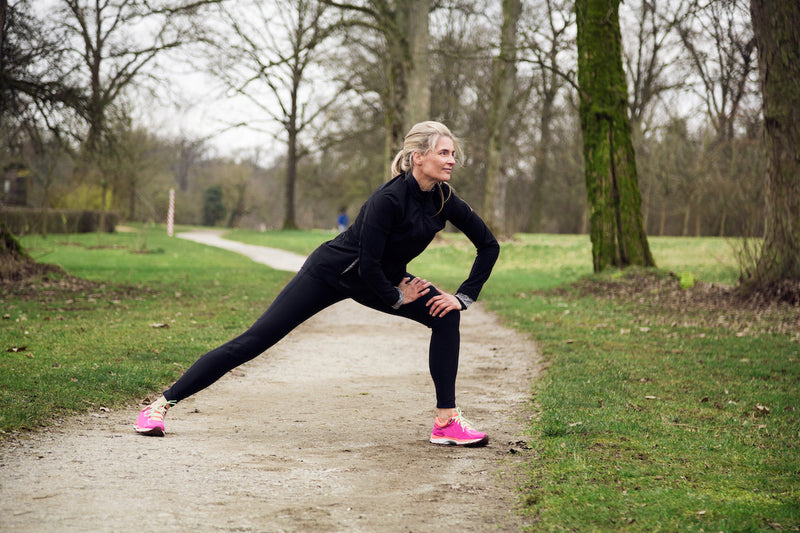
[[326, 432]]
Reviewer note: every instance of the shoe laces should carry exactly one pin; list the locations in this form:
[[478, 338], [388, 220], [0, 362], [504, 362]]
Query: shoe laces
[[158, 409], [463, 422]]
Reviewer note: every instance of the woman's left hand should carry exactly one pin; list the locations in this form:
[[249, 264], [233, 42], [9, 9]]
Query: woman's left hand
[[443, 303]]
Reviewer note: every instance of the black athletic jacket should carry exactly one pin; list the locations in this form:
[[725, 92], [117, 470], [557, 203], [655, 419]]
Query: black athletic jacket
[[393, 227]]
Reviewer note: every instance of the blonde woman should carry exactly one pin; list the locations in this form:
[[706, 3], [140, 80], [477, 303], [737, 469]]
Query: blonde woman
[[367, 262]]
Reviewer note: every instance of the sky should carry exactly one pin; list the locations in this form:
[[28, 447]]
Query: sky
[[192, 105]]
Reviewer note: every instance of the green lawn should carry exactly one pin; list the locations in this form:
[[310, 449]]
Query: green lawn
[[659, 409], [158, 304]]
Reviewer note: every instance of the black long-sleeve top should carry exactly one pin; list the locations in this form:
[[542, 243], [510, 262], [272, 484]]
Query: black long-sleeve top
[[395, 225]]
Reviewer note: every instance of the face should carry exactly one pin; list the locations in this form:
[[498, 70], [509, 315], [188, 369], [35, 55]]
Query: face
[[435, 166]]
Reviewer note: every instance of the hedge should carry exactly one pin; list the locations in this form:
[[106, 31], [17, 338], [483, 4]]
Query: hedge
[[28, 220]]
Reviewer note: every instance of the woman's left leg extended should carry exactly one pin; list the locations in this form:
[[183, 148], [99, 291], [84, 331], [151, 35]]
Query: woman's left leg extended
[[304, 296]]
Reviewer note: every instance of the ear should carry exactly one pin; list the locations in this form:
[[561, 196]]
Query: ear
[[416, 158]]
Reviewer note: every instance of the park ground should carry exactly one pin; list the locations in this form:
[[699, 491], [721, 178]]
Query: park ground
[[328, 432]]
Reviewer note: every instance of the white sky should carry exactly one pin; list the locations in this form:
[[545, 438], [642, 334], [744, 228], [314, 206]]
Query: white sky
[[193, 106]]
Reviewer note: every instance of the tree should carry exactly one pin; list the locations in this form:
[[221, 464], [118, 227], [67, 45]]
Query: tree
[[616, 224], [651, 55], [547, 40], [15, 263], [504, 70], [775, 24], [114, 43], [213, 206], [724, 65], [270, 64], [419, 82], [402, 26], [35, 88], [189, 153]]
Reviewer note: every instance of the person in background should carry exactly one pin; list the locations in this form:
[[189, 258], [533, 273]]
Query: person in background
[[368, 263], [342, 221]]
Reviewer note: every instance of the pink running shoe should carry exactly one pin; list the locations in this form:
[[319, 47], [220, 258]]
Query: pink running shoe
[[151, 418], [457, 431]]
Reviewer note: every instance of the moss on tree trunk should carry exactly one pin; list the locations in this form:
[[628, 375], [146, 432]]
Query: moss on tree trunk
[[616, 223], [10, 247], [15, 263]]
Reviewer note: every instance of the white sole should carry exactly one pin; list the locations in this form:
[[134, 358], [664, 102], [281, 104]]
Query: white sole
[[468, 444]]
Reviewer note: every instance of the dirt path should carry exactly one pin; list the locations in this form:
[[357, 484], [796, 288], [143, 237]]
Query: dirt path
[[327, 432]]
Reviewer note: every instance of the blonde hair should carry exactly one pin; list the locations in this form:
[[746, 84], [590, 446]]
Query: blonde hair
[[422, 138]]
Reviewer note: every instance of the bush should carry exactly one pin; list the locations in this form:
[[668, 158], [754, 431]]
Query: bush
[[28, 220], [213, 208]]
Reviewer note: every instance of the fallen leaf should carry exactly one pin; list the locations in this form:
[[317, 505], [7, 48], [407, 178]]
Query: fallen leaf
[[651, 398], [159, 325], [762, 409], [15, 349]]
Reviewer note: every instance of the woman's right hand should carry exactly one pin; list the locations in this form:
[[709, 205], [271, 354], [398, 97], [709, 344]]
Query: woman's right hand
[[413, 288]]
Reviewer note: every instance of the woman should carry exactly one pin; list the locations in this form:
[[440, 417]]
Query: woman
[[367, 263]]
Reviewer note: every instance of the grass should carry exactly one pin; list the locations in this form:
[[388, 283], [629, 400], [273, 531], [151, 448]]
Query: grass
[[149, 314], [661, 427], [658, 411], [653, 417], [298, 241]]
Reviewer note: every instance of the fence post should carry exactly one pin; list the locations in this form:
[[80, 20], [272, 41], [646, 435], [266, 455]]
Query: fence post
[[171, 213]]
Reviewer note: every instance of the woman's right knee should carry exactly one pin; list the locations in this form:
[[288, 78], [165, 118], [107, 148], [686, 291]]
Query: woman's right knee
[[451, 320]]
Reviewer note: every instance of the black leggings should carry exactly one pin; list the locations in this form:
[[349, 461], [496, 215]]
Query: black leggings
[[303, 297]]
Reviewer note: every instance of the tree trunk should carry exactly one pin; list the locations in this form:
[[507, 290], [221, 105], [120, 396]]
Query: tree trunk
[[687, 216], [395, 98], [617, 230], [394, 25], [541, 165], [418, 107], [239, 208], [3, 11], [406, 99], [504, 73], [775, 24], [289, 218]]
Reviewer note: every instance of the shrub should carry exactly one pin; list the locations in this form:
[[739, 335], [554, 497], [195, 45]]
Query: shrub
[[28, 220]]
